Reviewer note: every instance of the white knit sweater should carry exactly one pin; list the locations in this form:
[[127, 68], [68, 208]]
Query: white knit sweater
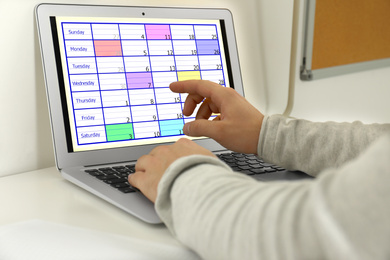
[[344, 213]]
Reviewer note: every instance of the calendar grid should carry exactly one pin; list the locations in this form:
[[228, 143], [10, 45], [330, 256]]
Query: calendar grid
[[119, 76]]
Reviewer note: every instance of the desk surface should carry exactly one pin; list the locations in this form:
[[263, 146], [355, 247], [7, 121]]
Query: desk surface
[[45, 195]]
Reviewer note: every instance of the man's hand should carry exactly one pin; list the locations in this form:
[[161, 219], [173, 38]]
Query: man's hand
[[150, 168], [237, 127]]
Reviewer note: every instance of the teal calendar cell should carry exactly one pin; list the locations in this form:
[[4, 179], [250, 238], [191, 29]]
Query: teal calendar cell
[[171, 127]]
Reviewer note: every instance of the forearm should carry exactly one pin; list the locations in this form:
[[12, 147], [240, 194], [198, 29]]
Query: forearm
[[343, 214], [225, 215], [312, 147]]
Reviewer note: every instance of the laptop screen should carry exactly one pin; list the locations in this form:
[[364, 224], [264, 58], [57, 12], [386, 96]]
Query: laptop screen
[[114, 76]]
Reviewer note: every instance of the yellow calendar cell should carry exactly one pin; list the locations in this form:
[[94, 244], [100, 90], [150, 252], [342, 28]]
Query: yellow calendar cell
[[187, 75]]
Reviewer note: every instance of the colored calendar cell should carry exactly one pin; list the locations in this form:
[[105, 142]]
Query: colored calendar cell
[[157, 32], [171, 127], [187, 75], [119, 132], [207, 47], [104, 48], [139, 80]]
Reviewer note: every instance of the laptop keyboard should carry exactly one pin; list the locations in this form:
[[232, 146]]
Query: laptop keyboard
[[115, 176], [248, 164]]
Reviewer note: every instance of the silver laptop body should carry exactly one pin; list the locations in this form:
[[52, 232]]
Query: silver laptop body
[[107, 70]]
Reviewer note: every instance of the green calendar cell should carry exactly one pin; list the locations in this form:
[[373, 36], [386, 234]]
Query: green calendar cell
[[119, 132]]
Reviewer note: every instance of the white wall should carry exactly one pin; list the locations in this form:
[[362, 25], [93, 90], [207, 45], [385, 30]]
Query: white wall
[[263, 30]]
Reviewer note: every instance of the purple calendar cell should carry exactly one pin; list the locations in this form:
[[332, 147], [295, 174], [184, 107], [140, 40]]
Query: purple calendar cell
[[207, 47], [139, 80], [157, 32]]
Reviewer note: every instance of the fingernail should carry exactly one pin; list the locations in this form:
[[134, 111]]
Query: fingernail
[[186, 129]]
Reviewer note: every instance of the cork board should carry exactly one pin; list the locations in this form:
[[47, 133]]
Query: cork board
[[348, 32]]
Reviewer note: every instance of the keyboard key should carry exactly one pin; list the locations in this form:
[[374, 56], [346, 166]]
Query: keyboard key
[[248, 163], [120, 185], [244, 167], [267, 164], [127, 189], [106, 177], [247, 172], [109, 172], [115, 176], [256, 166], [96, 173], [241, 163], [269, 169], [252, 161], [112, 181], [258, 171]]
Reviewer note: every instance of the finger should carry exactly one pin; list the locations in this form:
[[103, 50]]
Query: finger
[[204, 111], [142, 162], [134, 179], [203, 88], [202, 127], [190, 104], [207, 109]]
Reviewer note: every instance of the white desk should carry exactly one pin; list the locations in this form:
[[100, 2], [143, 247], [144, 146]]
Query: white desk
[[45, 195]]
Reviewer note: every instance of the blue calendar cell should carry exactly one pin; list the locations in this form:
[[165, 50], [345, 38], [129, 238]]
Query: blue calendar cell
[[171, 127]]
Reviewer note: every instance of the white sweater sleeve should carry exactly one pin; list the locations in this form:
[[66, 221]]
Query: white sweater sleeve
[[311, 147], [342, 214]]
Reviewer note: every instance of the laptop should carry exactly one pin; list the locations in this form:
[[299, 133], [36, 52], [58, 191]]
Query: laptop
[[107, 73]]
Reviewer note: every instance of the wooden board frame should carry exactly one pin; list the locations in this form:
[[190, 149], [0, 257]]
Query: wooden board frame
[[339, 40]]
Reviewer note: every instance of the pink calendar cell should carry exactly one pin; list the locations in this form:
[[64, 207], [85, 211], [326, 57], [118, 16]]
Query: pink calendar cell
[[104, 48], [139, 80], [157, 32]]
